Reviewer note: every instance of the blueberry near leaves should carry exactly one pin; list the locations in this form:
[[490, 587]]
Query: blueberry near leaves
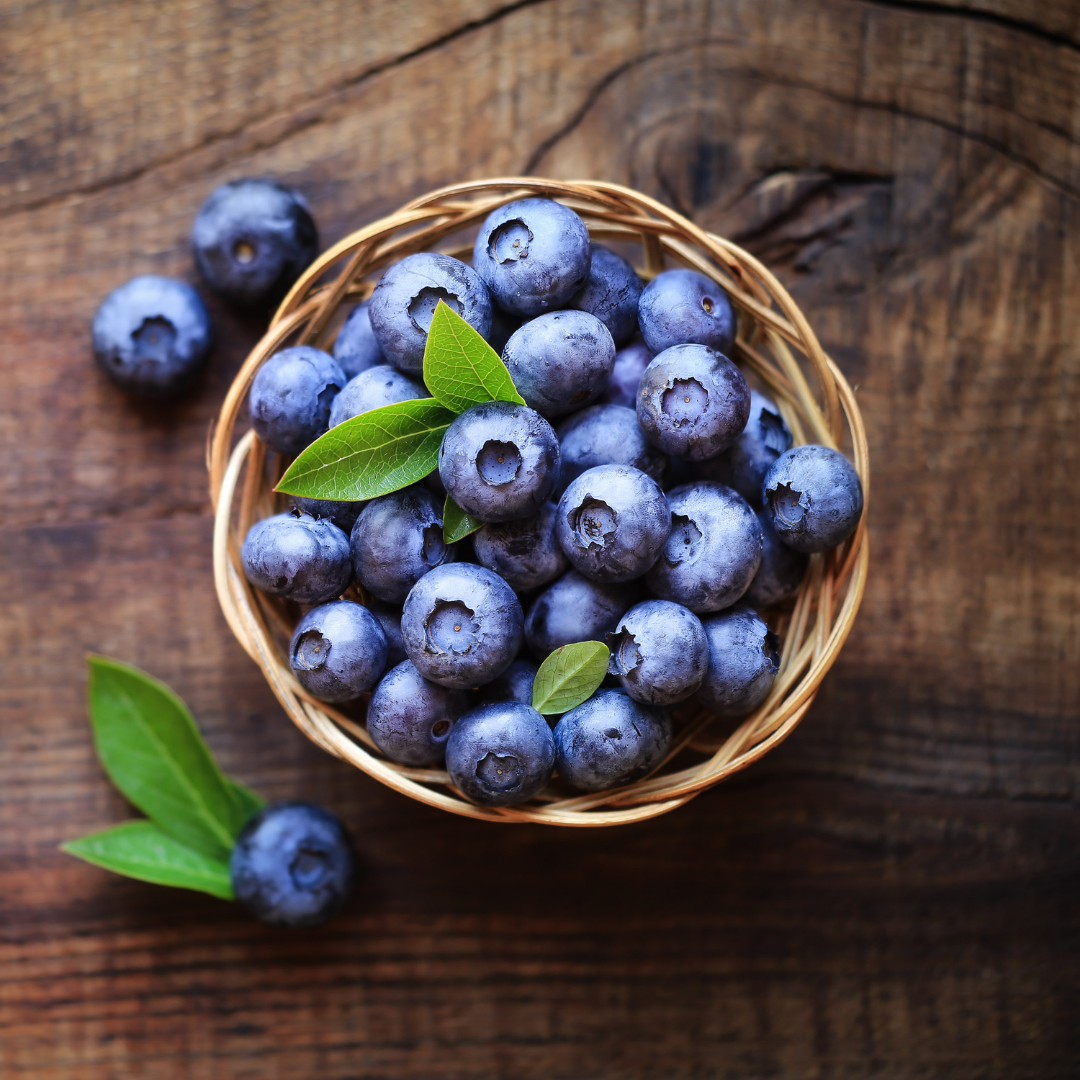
[[151, 336], [297, 557], [692, 402], [338, 651], [781, 572], [680, 307], [743, 662], [500, 754], [525, 552], [630, 364], [342, 514], [252, 239], [813, 497], [372, 389], [611, 293], [576, 609], [356, 348], [533, 254], [462, 625], [293, 865], [605, 435], [514, 684]]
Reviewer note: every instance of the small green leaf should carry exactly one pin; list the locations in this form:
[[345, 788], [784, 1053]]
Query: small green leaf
[[460, 368], [569, 676], [139, 849], [456, 524], [372, 454], [154, 754]]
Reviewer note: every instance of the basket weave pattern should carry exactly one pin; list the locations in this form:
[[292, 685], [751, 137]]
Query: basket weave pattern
[[775, 342]]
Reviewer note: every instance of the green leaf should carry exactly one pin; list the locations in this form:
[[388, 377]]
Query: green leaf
[[569, 676], [456, 524], [139, 849], [154, 754], [460, 368], [372, 454]]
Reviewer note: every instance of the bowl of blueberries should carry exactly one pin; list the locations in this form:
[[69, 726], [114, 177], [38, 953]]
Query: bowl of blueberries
[[521, 435]]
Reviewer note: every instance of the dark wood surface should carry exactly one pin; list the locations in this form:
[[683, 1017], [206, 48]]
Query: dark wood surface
[[893, 892]]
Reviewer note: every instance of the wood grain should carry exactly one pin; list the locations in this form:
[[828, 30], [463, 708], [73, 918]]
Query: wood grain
[[894, 892]]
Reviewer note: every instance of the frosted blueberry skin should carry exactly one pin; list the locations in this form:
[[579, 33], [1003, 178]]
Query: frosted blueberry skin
[[610, 740], [523, 552], [612, 523], [692, 402], [533, 255], [560, 361], [410, 719], [297, 557], [372, 389], [293, 865], [462, 625], [342, 514], [252, 239], [713, 550], [605, 435], [611, 293], [514, 684], [743, 465], [630, 364], [659, 652], [499, 461], [291, 395], [151, 336], [356, 348], [781, 572], [681, 307], [501, 754], [397, 539], [743, 661], [576, 609], [388, 616], [338, 651], [405, 299], [814, 498]]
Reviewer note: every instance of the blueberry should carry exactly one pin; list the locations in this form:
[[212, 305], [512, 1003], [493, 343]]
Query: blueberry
[[252, 239], [462, 625], [338, 651], [682, 307], [406, 297], [743, 465], [291, 395], [501, 754], [342, 514], [781, 571], [814, 498], [389, 618], [514, 684], [713, 550], [397, 539], [298, 557], [293, 865], [743, 662], [692, 402], [372, 389], [576, 609], [605, 435], [356, 348], [533, 254], [524, 552], [658, 652], [499, 461], [611, 293], [610, 740], [560, 361], [503, 325], [410, 719], [630, 365], [613, 521], [151, 335]]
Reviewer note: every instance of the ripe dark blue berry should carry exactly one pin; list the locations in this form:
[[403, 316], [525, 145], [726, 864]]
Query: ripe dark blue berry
[[743, 662], [611, 293], [293, 865], [605, 435], [523, 552], [388, 616], [356, 348], [297, 557], [372, 389], [342, 514], [252, 239], [501, 754], [681, 307], [338, 651], [503, 325], [151, 336], [576, 609], [630, 365], [514, 684], [291, 396], [781, 571], [610, 740]]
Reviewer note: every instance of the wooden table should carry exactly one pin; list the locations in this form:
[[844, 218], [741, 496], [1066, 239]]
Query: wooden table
[[893, 892]]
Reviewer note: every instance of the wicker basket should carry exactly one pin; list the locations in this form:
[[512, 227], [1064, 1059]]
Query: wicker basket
[[775, 342]]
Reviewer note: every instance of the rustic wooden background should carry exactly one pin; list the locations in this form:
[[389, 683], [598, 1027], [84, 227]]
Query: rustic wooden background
[[894, 892]]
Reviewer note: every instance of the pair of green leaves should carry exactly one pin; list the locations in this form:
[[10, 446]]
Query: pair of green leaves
[[390, 448], [153, 752]]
